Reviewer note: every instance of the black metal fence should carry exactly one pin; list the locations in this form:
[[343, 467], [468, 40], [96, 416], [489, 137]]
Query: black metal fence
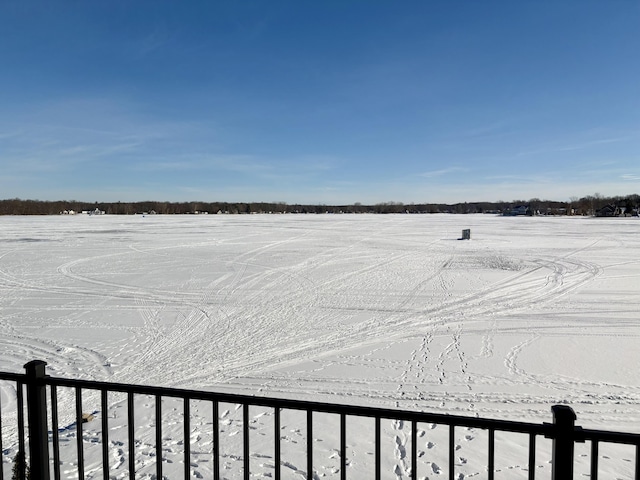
[[38, 441]]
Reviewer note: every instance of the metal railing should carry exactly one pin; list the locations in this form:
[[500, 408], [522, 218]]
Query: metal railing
[[43, 443]]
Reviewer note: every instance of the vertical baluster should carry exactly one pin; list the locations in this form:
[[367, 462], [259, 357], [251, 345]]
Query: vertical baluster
[[79, 433], [21, 439], [21, 432], [105, 434], [414, 450], [277, 439], [216, 441], [452, 449], [343, 446], [245, 441], [492, 452], [309, 444], [131, 434], [54, 431], [532, 456], [378, 448], [245, 431], [187, 438], [594, 459], [159, 437]]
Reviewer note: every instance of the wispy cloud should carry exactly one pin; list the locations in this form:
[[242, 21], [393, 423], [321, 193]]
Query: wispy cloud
[[73, 133], [92, 151], [520, 178], [493, 129], [237, 169], [443, 171], [573, 146], [159, 38], [8, 135], [630, 177]]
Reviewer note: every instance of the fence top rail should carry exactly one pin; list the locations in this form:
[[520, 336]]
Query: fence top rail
[[274, 402], [12, 377], [546, 429], [608, 436]]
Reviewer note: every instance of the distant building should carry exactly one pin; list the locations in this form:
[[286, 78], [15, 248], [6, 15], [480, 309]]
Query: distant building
[[520, 210], [97, 211], [608, 211]]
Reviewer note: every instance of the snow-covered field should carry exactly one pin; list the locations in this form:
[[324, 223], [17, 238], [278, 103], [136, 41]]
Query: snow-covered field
[[375, 310]]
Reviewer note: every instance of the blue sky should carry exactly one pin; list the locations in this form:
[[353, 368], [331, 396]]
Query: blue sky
[[330, 102]]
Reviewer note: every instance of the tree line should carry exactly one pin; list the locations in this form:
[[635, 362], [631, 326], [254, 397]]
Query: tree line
[[588, 205]]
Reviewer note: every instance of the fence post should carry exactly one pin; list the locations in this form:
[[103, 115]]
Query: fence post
[[564, 419], [37, 415]]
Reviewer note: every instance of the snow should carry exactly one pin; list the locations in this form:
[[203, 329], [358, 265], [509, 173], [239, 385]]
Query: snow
[[378, 310]]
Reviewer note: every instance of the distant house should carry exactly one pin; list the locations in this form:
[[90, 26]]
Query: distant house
[[97, 211], [608, 211], [520, 210]]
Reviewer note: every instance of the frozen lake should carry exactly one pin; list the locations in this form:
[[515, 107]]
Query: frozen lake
[[376, 310]]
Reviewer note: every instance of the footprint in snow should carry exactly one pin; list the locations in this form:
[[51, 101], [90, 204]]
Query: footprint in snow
[[401, 451], [260, 455], [291, 466]]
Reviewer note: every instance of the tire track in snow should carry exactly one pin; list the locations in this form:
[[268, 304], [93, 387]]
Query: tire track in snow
[[233, 367], [517, 292], [200, 321]]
